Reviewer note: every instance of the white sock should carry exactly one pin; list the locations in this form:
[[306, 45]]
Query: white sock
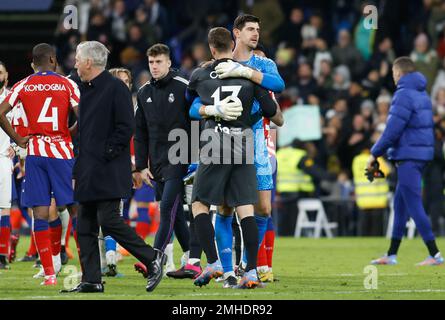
[[263, 269], [438, 255], [228, 274], [169, 252], [57, 263], [185, 258], [65, 218], [110, 256]]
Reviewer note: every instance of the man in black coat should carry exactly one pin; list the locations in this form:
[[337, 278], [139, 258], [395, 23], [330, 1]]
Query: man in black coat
[[102, 172]]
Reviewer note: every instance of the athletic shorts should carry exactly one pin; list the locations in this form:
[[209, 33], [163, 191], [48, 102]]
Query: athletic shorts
[[5, 182], [46, 178], [144, 194], [262, 162], [231, 184]]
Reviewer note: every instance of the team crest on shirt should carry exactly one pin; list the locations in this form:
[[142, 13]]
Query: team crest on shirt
[[171, 98]]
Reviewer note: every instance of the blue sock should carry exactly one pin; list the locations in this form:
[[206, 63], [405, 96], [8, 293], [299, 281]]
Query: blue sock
[[55, 223], [40, 225], [143, 215], [5, 222], [110, 244], [262, 223], [224, 240]]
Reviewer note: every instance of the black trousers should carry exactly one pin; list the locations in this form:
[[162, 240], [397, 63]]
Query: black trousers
[[171, 193], [106, 214]]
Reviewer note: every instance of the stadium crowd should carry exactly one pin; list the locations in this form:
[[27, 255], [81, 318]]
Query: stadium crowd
[[325, 55]]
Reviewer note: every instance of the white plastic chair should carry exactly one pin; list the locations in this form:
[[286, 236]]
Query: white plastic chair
[[320, 223]]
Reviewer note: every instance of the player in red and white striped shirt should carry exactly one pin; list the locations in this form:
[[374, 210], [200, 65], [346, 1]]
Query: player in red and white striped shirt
[[47, 99]]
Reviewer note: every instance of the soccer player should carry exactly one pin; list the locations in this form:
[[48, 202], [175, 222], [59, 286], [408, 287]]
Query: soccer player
[[6, 153], [46, 98], [263, 71], [246, 33], [219, 181]]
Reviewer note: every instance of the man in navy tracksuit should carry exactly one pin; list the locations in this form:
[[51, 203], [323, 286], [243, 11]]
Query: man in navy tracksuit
[[408, 140]]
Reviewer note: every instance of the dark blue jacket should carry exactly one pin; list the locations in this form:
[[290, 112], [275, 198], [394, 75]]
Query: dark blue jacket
[[409, 133]]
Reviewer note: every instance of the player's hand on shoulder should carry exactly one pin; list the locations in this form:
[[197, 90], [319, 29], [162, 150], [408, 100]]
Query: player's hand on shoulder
[[232, 69]]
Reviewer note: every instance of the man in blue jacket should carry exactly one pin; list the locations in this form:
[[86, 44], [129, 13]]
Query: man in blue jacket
[[408, 140]]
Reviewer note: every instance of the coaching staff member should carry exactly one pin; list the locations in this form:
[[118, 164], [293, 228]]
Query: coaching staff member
[[408, 140], [162, 107], [102, 171]]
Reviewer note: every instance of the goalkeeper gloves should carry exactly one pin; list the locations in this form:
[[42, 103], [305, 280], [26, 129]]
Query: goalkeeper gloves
[[232, 69], [375, 172], [227, 110]]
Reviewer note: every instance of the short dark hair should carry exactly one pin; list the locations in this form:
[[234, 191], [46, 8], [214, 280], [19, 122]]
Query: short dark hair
[[157, 49], [241, 21], [405, 65], [41, 54], [220, 38]]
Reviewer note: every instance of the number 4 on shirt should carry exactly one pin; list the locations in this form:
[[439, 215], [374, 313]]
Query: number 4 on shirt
[[45, 118]]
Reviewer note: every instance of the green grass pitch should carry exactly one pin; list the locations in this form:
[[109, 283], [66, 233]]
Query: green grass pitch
[[306, 269]]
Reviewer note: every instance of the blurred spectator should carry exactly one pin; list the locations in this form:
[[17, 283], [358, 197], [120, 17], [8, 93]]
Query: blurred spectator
[[99, 28], [371, 198], [305, 83], [425, 59], [157, 18], [322, 54], [271, 16], [187, 66], [290, 31], [344, 53], [118, 20], [341, 83], [440, 79], [434, 181], [141, 18]]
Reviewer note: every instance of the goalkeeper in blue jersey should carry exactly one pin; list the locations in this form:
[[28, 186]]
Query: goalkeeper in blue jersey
[[262, 71]]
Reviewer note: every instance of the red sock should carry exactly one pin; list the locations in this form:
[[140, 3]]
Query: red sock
[[32, 250], [269, 240], [153, 212], [262, 256], [55, 228], [142, 229], [16, 219], [5, 234], [43, 244]]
